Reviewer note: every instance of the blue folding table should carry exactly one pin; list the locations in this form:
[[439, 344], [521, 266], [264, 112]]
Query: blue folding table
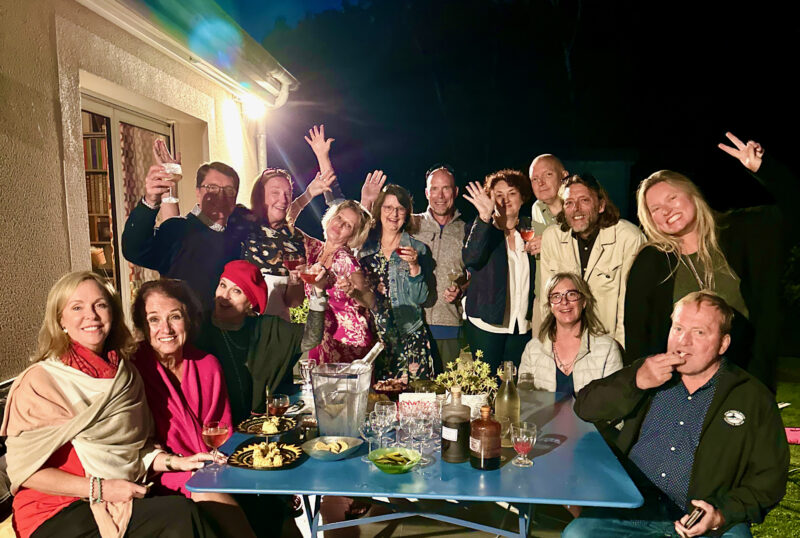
[[572, 466]]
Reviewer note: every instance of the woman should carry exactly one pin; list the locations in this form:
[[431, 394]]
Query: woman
[[500, 295], [736, 254], [572, 348], [255, 350], [78, 427], [347, 334], [397, 267], [185, 388]]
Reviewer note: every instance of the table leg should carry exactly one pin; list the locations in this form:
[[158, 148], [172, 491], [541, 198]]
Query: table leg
[[313, 522]]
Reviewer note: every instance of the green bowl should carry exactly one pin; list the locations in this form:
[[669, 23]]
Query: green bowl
[[390, 468]]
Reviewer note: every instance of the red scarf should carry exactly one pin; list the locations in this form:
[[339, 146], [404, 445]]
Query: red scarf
[[90, 363]]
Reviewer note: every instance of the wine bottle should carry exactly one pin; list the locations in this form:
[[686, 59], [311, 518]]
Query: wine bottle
[[455, 429], [484, 442], [506, 404]]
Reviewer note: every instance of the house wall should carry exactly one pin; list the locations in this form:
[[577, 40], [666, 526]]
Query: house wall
[[48, 49]]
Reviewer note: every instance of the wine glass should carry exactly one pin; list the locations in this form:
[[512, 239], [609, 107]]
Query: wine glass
[[292, 261], [380, 424], [527, 233], [215, 433], [523, 435], [368, 433], [277, 404], [526, 381], [420, 430], [388, 413]]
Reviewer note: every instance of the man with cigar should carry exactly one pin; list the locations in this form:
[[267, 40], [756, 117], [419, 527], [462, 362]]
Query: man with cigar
[[698, 432]]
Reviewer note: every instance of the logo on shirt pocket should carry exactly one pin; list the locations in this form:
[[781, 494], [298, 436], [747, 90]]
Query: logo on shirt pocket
[[733, 417]]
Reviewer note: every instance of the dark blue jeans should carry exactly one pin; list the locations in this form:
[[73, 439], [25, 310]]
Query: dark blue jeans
[[609, 523]]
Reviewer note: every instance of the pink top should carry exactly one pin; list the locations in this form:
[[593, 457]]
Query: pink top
[[179, 413], [347, 335]]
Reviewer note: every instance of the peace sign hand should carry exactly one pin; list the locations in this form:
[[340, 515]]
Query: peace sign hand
[[483, 202], [749, 154]]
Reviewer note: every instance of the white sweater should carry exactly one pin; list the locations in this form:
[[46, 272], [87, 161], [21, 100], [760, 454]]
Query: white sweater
[[598, 356]]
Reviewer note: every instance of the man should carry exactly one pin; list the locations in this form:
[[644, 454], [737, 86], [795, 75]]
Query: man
[[442, 230], [546, 173], [194, 248], [592, 241], [698, 431]]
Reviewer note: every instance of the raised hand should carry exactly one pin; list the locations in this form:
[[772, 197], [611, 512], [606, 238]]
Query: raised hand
[[749, 154], [162, 155], [321, 183], [534, 246], [657, 370], [156, 184], [316, 139], [372, 188], [483, 202], [411, 256]]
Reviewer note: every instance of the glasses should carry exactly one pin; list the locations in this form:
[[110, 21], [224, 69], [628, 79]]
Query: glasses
[[570, 295], [211, 188], [389, 210]]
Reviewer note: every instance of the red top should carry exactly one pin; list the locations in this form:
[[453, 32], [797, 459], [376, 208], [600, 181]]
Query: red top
[[32, 507]]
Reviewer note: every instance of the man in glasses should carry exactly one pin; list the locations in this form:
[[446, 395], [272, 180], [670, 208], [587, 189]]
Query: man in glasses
[[592, 241], [194, 248], [442, 230], [546, 173]]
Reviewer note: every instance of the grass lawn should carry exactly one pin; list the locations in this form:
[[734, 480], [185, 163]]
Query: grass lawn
[[784, 520]]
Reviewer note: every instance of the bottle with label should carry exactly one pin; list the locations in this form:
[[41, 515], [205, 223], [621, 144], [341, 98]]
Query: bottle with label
[[506, 403], [484, 441], [455, 429]]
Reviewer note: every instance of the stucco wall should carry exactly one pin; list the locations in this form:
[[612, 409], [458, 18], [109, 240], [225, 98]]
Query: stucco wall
[[44, 46]]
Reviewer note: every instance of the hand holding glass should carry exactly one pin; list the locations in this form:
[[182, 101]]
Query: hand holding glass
[[215, 434]]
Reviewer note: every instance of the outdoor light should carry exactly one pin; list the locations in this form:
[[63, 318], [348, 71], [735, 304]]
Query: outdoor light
[[253, 107]]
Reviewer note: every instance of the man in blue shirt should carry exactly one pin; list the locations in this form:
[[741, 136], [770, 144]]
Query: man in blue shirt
[[698, 432]]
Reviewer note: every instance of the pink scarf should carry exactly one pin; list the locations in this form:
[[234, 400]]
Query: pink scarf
[[179, 414]]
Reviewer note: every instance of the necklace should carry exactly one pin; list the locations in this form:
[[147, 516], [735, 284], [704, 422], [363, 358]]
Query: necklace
[[690, 265], [564, 367]]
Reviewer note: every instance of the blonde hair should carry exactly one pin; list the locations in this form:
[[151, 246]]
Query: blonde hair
[[361, 230], [589, 318], [713, 300], [707, 243], [54, 342]]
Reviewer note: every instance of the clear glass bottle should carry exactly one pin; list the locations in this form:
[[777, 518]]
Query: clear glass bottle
[[484, 442], [506, 403], [455, 429]]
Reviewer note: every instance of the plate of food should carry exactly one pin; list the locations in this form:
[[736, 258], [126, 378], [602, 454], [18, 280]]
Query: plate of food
[[331, 447], [264, 425], [265, 456], [394, 460], [390, 387]]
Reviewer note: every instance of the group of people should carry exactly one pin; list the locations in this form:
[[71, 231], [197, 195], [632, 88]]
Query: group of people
[[580, 298]]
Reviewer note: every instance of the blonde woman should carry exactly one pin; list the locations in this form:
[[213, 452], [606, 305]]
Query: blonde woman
[[572, 348], [691, 247], [78, 428]]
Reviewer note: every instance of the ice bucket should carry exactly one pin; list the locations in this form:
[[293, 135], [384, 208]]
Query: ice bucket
[[340, 396]]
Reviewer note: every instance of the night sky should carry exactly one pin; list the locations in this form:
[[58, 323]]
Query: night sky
[[486, 85]]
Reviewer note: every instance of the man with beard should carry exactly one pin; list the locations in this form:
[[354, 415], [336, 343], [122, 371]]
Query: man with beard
[[193, 248], [594, 242], [442, 230]]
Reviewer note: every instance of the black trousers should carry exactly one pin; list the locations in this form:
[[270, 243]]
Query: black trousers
[[170, 516], [496, 347]]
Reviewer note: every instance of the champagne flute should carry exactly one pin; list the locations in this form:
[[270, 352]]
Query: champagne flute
[[215, 433], [523, 435]]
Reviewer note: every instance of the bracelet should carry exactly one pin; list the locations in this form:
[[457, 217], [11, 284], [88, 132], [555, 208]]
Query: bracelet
[[91, 488], [99, 490], [168, 463], [99, 482]]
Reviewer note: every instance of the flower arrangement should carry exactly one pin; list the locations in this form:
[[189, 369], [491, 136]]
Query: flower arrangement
[[473, 377]]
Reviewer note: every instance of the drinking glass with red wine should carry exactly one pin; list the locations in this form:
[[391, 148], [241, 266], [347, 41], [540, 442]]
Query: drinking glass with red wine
[[527, 233], [215, 433], [309, 273], [523, 436], [293, 261], [277, 404]]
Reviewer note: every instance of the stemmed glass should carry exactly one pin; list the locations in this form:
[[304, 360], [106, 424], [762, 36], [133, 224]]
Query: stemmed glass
[[420, 426], [277, 404], [523, 435], [381, 424], [368, 433], [215, 433]]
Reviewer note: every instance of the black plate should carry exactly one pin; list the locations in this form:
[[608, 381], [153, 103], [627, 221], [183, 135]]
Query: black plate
[[253, 424], [243, 456]]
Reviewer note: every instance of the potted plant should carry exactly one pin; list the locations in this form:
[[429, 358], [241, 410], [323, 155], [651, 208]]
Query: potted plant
[[474, 377]]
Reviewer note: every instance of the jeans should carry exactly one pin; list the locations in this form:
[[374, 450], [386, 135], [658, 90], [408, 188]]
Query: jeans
[[599, 523]]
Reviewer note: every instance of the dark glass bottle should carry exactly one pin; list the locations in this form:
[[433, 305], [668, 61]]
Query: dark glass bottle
[[455, 429], [484, 442]]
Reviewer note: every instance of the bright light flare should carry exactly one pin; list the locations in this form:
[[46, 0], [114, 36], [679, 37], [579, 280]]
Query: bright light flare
[[253, 107]]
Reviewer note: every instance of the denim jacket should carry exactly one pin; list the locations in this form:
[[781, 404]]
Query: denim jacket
[[407, 293]]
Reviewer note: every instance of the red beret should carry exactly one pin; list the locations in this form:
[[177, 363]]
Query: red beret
[[247, 276]]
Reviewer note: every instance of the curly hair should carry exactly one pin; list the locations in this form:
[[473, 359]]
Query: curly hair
[[174, 289], [54, 342], [589, 317], [609, 216], [514, 178]]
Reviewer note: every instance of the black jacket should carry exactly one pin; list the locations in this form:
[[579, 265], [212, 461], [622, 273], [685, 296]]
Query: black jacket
[[741, 470], [485, 257], [752, 241]]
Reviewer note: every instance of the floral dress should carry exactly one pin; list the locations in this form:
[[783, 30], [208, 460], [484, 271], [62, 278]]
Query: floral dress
[[347, 335], [407, 355]]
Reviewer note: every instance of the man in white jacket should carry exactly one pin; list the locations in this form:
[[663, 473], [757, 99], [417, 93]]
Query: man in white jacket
[[594, 242]]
